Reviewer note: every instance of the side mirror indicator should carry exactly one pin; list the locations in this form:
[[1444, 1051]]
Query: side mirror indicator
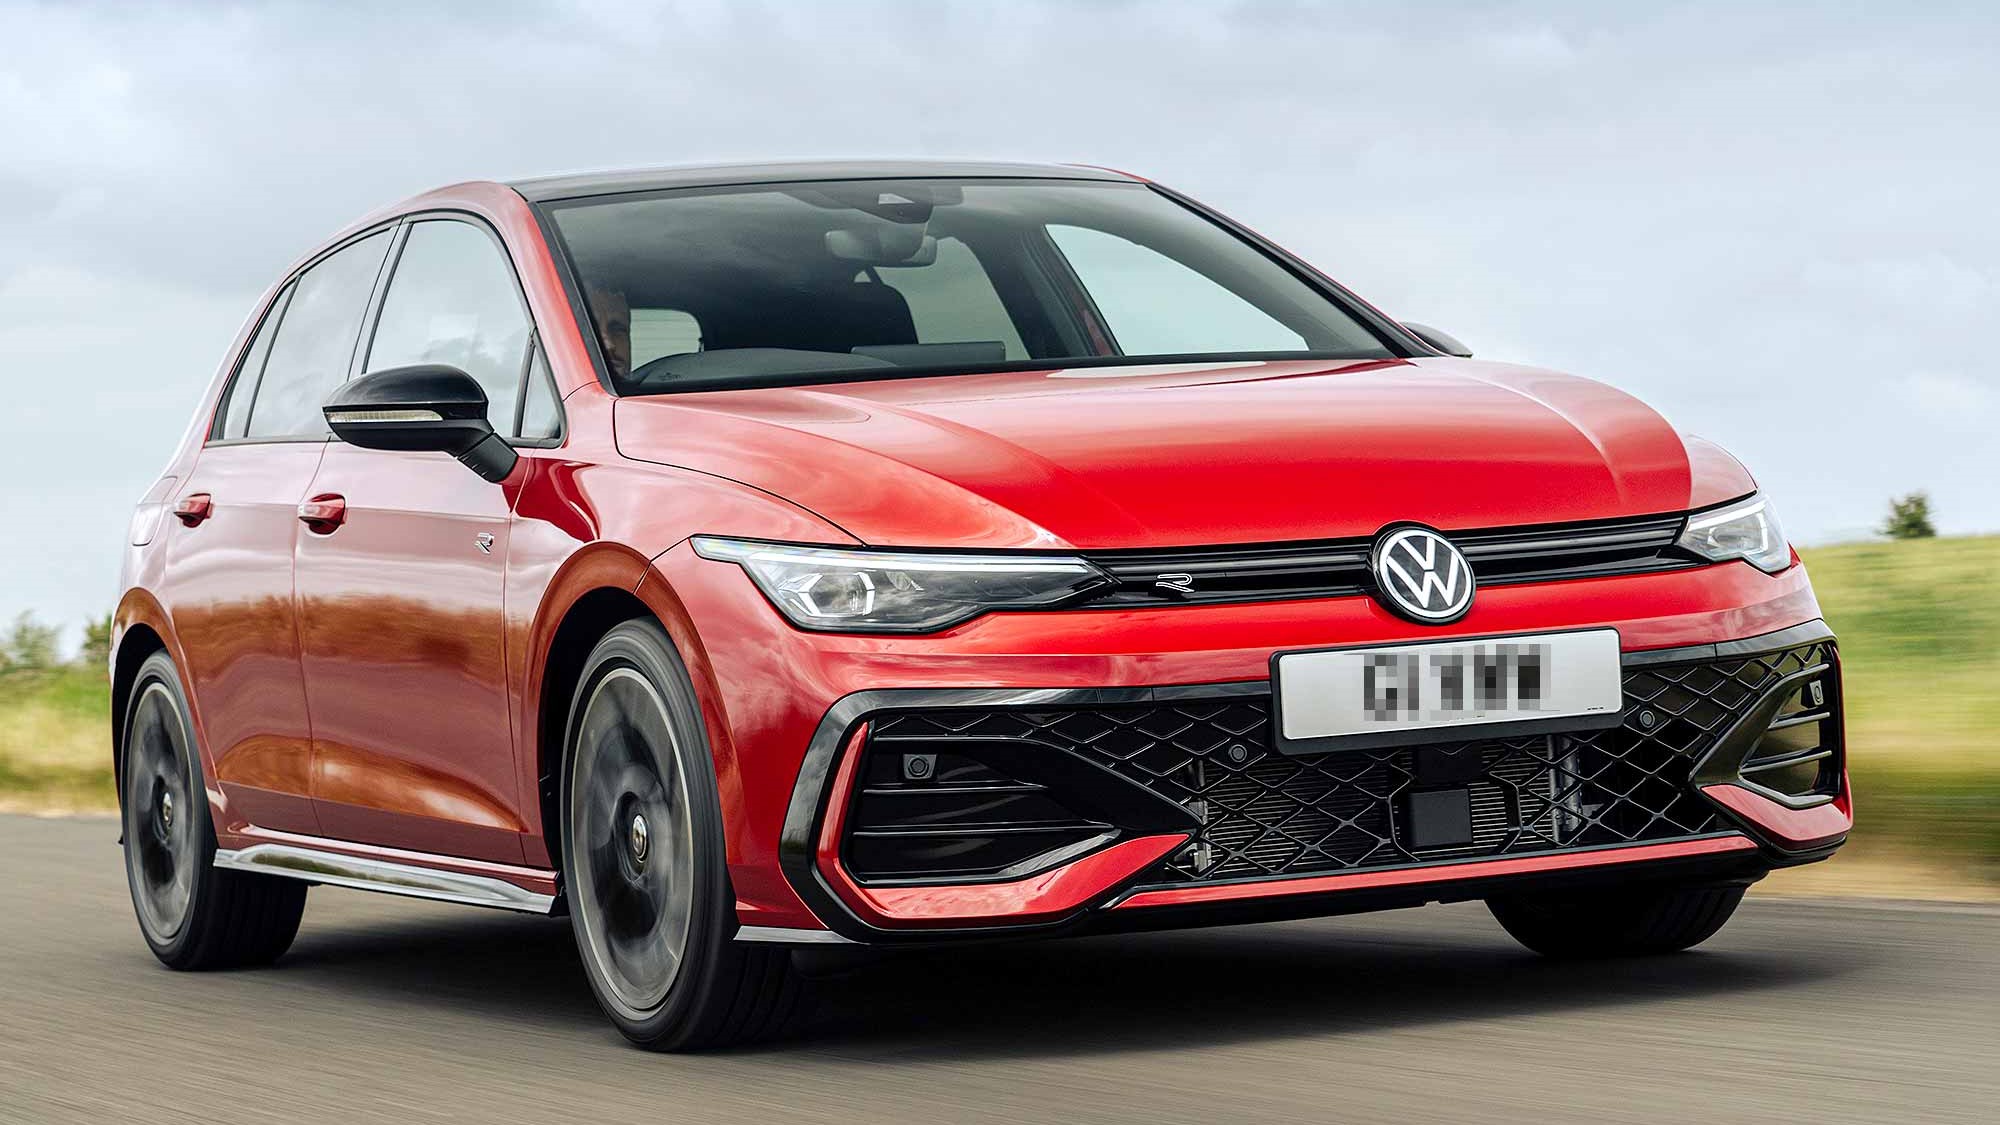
[[421, 408]]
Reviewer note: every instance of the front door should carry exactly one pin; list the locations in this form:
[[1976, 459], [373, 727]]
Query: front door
[[400, 627], [401, 581]]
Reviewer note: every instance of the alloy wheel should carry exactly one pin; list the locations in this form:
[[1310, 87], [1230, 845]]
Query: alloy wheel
[[160, 813], [631, 829]]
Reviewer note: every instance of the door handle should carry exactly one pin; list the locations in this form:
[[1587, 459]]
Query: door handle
[[324, 513], [193, 508]]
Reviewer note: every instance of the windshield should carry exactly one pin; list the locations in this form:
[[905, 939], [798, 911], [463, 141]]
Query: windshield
[[835, 281]]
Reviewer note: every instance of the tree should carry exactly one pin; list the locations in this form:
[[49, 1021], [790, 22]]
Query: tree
[[96, 642], [28, 646], [1910, 517]]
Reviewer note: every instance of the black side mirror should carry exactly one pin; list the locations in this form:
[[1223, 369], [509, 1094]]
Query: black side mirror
[[424, 408], [1442, 341]]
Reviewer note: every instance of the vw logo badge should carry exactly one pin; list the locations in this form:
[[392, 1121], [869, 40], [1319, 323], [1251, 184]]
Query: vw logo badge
[[1420, 575]]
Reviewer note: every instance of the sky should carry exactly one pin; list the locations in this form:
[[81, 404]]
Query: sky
[[1779, 224]]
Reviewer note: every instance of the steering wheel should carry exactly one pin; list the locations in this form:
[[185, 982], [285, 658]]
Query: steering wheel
[[657, 368]]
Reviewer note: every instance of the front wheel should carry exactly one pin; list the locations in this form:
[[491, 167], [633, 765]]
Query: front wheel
[[643, 858], [1617, 923]]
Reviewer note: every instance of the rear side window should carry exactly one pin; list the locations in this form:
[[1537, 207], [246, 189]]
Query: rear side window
[[315, 341], [952, 301], [454, 300], [243, 388], [658, 332]]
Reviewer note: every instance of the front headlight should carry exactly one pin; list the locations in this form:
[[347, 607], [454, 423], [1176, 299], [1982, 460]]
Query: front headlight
[[835, 590], [1747, 530]]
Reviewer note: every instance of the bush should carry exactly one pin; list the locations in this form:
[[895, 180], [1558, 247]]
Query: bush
[[1910, 517], [96, 651], [28, 646]]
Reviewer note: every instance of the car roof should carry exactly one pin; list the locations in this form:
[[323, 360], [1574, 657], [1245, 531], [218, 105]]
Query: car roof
[[544, 188]]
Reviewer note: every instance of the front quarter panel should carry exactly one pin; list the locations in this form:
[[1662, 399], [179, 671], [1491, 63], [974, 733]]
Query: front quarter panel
[[584, 524]]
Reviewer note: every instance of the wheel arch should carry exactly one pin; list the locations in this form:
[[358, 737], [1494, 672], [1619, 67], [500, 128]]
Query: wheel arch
[[595, 593], [140, 629]]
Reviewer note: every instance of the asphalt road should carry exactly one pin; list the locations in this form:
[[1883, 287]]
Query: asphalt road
[[393, 1010]]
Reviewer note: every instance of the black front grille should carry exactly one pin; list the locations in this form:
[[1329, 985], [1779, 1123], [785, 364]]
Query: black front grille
[[1258, 813], [1339, 567]]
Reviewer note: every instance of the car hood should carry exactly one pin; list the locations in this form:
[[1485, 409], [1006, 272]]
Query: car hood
[[1188, 454]]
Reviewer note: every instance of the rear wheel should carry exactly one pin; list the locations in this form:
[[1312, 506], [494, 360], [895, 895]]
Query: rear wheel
[[1618, 923], [193, 915], [643, 859]]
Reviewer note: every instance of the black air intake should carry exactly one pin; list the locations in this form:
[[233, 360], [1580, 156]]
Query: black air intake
[[1788, 745]]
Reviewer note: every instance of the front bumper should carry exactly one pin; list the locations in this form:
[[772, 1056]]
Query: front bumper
[[793, 713], [1184, 804]]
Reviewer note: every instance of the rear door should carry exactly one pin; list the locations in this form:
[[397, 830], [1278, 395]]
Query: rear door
[[401, 603], [230, 563]]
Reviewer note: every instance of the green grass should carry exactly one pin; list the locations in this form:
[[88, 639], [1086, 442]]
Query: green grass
[[1919, 625], [55, 739]]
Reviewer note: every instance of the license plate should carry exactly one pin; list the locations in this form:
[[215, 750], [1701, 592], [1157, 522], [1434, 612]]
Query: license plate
[[1401, 695]]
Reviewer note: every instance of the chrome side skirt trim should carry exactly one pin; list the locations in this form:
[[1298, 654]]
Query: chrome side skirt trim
[[336, 870], [784, 936]]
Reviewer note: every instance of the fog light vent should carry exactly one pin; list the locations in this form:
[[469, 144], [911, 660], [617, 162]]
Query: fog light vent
[[933, 812], [1797, 758]]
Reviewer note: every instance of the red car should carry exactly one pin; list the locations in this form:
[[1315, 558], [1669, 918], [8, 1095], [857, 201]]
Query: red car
[[739, 558]]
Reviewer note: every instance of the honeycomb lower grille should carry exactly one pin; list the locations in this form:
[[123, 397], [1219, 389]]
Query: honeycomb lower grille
[[1262, 813]]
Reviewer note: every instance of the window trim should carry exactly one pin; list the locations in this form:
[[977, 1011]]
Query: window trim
[[284, 290], [366, 343], [271, 314], [397, 227]]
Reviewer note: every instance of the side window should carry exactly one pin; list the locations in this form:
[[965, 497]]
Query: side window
[[1157, 306], [453, 299], [952, 301], [541, 418], [315, 341], [234, 417]]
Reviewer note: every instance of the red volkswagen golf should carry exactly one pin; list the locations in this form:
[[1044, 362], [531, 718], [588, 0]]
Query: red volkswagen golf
[[739, 558]]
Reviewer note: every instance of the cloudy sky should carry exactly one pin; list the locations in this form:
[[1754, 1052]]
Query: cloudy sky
[[1779, 224]]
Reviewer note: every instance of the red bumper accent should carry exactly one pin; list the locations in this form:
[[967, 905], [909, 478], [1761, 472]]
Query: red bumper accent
[[1040, 898], [1443, 873], [1796, 829]]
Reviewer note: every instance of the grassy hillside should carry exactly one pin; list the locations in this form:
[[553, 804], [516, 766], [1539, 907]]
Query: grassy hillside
[[1919, 624]]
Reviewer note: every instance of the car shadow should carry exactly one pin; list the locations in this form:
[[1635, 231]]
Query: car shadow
[[1099, 994]]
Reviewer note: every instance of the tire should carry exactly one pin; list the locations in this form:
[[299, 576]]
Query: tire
[[643, 859], [192, 914], [1617, 924]]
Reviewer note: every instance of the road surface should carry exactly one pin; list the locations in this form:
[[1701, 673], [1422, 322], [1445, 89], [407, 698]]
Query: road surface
[[389, 1010]]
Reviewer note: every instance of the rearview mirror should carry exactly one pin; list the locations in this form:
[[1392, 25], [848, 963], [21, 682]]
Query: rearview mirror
[[1442, 341], [423, 408]]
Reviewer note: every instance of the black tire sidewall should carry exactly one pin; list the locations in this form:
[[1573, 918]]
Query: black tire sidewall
[[1652, 920], [159, 669], [643, 646]]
